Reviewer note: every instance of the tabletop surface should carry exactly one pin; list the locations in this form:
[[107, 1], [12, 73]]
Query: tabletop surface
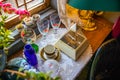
[[97, 36], [69, 69], [73, 68]]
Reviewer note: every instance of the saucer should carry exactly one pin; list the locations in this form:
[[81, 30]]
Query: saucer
[[52, 66], [44, 56]]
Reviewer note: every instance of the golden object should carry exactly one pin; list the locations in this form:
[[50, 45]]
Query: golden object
[[72, 13], [87, 21], [54, 55], [83, 18], [19, 27]]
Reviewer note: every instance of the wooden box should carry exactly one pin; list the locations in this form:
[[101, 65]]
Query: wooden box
[[73, 44]]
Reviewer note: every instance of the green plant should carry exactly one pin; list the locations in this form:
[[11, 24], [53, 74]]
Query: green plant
[[39, 76], [29, 75], [5, 34]]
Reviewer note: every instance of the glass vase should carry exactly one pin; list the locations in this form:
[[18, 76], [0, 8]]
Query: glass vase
[[30, 55]]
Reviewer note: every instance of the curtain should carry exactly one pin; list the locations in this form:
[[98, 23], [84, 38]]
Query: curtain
[[61, 6]]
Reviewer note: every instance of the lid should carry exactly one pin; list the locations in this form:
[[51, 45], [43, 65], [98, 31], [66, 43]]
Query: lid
[[49, 49]]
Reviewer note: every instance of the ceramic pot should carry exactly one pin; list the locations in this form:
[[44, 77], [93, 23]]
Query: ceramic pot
[[9, 76], [3, 59]]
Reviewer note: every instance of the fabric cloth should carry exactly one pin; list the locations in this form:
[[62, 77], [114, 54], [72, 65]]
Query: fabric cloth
[[61, 6]]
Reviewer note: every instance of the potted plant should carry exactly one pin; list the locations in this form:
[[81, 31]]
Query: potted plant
[[39, 76], [29, 75], [5, 40], [5, 34]]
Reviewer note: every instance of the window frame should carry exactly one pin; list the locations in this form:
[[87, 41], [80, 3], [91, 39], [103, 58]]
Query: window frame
[[15, 19], [24, 4]]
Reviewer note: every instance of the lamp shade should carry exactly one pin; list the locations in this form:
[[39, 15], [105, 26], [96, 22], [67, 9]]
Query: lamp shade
[[99, 5]]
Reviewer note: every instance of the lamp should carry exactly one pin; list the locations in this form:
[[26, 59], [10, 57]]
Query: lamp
[[93, 6], [99, 5]]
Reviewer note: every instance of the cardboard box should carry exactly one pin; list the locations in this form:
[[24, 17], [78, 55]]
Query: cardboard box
[[73, 44]]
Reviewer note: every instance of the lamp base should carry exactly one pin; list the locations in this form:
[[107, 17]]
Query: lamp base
[[88, 24], [89, 28]]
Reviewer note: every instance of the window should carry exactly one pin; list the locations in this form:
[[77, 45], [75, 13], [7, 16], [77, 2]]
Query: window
[[33, 6], [25, 4], [20, 3]]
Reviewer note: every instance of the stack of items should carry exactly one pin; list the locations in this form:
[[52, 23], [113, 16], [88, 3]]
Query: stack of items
[[50, 52]]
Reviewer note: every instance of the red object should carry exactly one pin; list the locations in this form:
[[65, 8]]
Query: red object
[[116, 29], [22, 33], [46, 30], [55, 24]]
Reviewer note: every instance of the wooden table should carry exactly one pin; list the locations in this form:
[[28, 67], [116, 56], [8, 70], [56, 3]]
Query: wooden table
[[95, 39], [97, 36]]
